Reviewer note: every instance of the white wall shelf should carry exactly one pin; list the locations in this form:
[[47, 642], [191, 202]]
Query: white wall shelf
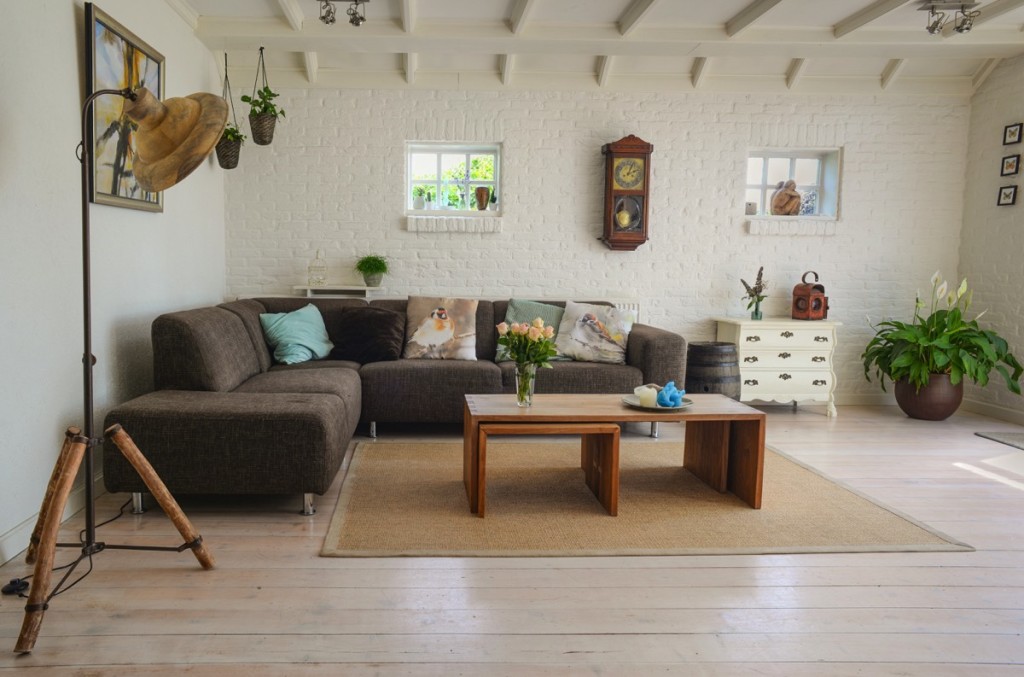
[[338, 291]]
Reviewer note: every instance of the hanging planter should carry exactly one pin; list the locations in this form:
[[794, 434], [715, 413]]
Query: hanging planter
[[230, 145], [263, 113]]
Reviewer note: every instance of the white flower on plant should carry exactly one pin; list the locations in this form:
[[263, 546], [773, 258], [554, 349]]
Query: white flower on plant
[[941, 291], [936, 278]]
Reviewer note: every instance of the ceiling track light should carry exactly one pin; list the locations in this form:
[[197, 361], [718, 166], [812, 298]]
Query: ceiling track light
[[356, 12], [963, 20]]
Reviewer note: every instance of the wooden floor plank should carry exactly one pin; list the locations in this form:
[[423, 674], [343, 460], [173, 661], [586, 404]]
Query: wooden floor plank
[[274, 607]]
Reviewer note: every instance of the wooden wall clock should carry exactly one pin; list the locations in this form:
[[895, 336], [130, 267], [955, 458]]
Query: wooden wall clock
[[627, 189]]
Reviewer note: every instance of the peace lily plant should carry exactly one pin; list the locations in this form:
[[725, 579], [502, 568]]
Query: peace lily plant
[[941, 342]]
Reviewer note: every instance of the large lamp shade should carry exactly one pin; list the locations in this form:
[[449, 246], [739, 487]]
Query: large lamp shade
[[174, 136]]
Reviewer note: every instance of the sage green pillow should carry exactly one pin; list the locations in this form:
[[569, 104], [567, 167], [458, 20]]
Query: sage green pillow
[[521, 311], [298, 336]]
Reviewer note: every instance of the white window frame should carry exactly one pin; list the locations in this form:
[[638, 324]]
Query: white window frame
[[438, 185], [827, 185]]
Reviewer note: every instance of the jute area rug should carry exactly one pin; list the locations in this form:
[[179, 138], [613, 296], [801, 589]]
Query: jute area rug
[[407, 499]]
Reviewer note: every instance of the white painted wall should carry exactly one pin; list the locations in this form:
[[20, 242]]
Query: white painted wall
[[143, 263], [992, 246], [334, 177]]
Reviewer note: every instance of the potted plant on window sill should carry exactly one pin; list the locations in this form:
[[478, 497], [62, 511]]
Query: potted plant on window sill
[[372, 267], [229, 146], [928, 358]]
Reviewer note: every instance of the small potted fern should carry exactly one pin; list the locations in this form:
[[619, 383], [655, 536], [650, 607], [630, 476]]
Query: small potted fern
[[372, 267]]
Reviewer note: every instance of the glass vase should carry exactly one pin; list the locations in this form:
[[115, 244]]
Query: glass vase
[[756, 313], [526, 377]]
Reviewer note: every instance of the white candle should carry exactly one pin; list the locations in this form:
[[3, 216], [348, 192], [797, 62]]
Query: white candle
[[648, 396]]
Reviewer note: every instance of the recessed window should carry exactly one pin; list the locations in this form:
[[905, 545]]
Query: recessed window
[[815, 174], [445, 177]]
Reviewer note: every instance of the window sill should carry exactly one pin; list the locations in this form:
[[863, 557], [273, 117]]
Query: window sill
[[792, 225], [423, 221]]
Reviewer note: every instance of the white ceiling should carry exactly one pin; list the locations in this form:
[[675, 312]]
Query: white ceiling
[[613, 45]]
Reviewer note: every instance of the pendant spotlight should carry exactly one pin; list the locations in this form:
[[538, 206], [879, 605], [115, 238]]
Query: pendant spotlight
[[356, 12]]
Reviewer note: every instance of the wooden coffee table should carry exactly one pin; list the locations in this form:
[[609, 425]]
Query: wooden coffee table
[[723, 446]]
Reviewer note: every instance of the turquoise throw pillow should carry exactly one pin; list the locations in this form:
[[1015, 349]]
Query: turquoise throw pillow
[[298, 336], [527, 311]]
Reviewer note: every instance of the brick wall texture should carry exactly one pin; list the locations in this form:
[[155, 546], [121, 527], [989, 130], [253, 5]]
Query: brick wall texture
[[334, 178]]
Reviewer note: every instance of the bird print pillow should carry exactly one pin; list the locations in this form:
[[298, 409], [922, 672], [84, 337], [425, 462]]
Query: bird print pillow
[[591, 333], [440, 328]]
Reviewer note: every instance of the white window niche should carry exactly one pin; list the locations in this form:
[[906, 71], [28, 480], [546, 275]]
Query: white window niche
[[817, 173]]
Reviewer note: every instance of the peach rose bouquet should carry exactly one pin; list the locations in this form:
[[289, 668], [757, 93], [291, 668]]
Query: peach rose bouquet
[[530, 345]]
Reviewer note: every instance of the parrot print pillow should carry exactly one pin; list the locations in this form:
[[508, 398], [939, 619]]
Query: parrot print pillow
[[591, 333], [440, 328]]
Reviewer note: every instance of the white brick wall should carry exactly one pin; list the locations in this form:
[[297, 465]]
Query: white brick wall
[[992, 248], [334, 178]]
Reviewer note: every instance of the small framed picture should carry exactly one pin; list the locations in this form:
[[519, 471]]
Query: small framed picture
[[1011, 165], [1007, 196], [1011, 133]]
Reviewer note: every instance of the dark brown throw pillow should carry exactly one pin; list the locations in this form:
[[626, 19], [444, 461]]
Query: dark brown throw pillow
[[368, 334]]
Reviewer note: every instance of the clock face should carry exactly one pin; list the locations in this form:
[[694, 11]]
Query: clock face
[[628, 173]]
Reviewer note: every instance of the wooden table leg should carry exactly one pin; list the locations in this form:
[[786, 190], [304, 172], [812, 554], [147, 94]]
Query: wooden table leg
[[470, 432], [601, 470], [480, 462], [706, 452], [746, 460]]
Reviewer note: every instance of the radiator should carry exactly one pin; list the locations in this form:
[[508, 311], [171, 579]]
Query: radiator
[[631, 305]]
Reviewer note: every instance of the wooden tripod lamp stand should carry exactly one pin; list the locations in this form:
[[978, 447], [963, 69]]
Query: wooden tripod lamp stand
[[173, 138]]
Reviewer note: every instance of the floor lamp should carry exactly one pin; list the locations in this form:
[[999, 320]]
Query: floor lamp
[[173, 138]]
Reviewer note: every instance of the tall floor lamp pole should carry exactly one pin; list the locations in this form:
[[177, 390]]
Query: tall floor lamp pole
[[173, 139]]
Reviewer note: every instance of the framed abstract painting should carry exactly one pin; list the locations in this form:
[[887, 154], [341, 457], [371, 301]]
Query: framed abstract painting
[[115, 59]]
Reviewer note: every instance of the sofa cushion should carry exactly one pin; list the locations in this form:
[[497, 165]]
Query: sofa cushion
[[369, 335], [440, 328], [520, 310], [202, 349], [297, 336], [248, 311], [486, 341], [332, 309], [594, 333], [424, 391], [341, 382]]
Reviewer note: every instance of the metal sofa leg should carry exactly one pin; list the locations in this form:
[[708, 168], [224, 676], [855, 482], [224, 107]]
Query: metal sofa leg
[[373, 430], [137, 507], [654, 429], [307, 505]]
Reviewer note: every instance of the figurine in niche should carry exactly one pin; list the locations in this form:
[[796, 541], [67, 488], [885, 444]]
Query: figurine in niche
[[786, 200]]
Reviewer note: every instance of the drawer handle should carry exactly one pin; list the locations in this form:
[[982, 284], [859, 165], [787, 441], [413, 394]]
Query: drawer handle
[[820, 382], [750, 382], [750, 359], [785, 356], [821, 339], [753, 339], [817, 358], [785, 377], [786, 334]]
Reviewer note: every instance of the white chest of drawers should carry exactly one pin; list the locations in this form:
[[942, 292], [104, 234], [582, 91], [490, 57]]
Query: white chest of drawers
[[783, 360]]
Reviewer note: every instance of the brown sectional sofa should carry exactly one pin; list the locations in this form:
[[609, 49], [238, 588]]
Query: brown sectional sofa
[[226, 420]]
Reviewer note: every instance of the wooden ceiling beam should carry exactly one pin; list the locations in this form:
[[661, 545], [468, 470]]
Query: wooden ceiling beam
[[312, 66], [186, 11], [795, 72], [748, 15], [604, 69], [982, 73], [866, 16], [293, 13], [631, 18], [408, 10], [698, 71], [520, 14], [892, 71], [410, 63], [506, 62]]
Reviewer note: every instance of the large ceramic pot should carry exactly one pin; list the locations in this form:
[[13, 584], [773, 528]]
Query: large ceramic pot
[[934, 402]]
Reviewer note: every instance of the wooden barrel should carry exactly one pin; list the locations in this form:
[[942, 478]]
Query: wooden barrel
[[713, 367]]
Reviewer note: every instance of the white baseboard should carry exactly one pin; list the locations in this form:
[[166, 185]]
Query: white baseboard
[[995, 411], [14, 542]]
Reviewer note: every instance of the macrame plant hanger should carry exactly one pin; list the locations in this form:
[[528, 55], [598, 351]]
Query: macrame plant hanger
[[228, 149], [262, 124]]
